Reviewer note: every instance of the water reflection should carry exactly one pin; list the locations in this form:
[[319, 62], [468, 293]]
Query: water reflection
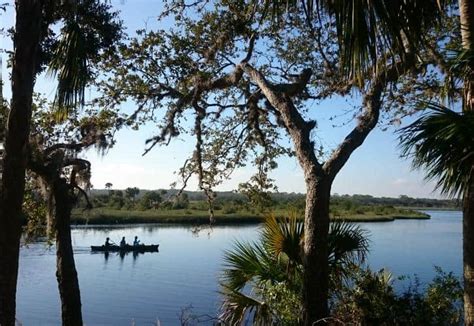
[[119, 287], [121, 254]]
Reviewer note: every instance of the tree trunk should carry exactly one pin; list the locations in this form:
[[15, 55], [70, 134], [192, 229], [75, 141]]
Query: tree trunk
[[468, 253], [26, 43], [466, 10], [66, 273], [316, 269]]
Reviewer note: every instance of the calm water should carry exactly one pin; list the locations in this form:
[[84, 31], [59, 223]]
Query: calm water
[[157, 286]]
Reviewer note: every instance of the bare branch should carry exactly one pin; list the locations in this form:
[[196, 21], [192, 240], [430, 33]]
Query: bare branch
[[368, 120]]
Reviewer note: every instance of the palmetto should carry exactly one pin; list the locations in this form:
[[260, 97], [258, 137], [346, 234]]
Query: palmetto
[[256, 274], [442, 142]]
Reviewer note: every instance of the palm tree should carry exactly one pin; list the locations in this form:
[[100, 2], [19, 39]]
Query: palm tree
[[442, 142], [466, 11], [272, 270], [69, 61]]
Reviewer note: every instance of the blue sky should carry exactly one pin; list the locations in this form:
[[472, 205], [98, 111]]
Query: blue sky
[[375, 168]]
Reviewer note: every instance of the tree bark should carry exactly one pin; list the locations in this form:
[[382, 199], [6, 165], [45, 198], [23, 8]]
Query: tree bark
[[468, 253], [316, 229], [66, 273], [26, 43], [466, 10]]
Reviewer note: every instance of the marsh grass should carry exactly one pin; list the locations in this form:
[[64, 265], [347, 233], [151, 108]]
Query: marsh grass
[[190, 216]]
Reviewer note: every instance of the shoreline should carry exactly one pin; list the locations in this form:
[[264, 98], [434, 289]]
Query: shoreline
[[122, 217]]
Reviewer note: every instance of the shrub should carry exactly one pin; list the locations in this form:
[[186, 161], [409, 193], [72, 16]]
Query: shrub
[[372, 300]]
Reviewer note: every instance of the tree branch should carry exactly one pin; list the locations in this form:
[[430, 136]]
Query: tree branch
[[298, 128], [368, 120]]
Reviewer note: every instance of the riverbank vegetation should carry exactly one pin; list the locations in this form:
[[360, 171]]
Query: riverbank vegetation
[[162, 206], [189, 216]]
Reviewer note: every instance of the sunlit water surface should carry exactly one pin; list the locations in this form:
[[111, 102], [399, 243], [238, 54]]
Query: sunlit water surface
[[158, 286]]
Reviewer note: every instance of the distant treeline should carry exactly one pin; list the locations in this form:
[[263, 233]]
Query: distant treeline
[[280, 199]]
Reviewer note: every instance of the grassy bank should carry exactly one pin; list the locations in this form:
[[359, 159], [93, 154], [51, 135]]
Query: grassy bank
[[187, 216]]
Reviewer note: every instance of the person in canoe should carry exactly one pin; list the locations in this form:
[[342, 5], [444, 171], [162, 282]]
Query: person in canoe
[[123, 243], [108, 243], [136, 242]]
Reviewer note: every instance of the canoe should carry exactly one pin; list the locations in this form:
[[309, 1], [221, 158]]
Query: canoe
[[127, 248]]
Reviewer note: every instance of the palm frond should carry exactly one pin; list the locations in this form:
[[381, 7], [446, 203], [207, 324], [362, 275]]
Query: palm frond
[[442, 142], [284, 236], [69, 64], [458, 70], [368, 28], [246, 262], [237, 306], [348, 243], [460, 63]]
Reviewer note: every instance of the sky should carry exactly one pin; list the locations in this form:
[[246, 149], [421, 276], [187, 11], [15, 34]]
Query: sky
[[375, 168]]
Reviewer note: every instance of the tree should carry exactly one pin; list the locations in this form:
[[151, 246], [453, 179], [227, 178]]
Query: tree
[[108, 185], [116, 199], [26, 41], [242, 107], [181, 201], [273, 269], [466, 10], [54, 160], [358, 41], [442, 142], [151, 199], [88, 28], [131, 193], [367, 30]]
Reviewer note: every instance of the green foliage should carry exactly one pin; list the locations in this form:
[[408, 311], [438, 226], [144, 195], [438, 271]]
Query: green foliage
[[34, 211], [366, 29], [370, 299], [258, 198], [131, 193], [272, 268], [116, 199], [89, 29], [180, 202], [443, 143], [284, 302], [150, 200]]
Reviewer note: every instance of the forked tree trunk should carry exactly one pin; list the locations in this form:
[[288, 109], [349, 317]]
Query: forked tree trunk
[[26, 43], [466, 10], [66, 273], [319, 177], [316, 269]]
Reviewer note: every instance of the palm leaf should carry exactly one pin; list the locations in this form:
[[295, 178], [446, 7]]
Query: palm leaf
[[347, 242], [284, 236], [69, 64], [247, 262], [236, 307], [442, 142], [368, 28]]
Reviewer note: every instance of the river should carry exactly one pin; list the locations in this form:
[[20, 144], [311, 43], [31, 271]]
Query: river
[[183, 276]]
